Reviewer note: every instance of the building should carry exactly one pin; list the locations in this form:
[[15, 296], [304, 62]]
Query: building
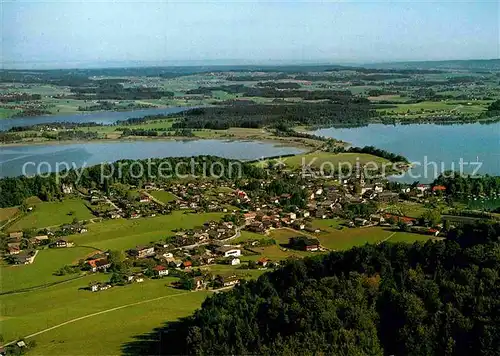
[[16, 235], [234, 261], [360, 222], [230, 281], [229, 251], [187, 264], [303, 243], [263, 261], [101, 264], [439, 188], [63, 243], [25, 257], [143, 251], [161, 271]]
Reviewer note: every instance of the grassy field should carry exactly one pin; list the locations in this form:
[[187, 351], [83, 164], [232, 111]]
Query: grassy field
[[125, 234], [342, 239], [26, 313], [406, 208], [7, 213], [163, 196], [53, 213], [41, 271], [316, 159]]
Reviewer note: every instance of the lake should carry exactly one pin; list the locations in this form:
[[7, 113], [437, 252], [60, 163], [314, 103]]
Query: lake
[[426, 143], [100, 117], [47, 157]]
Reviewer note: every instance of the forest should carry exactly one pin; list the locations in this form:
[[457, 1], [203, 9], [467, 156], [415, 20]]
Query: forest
[[459, 186], [433, 298], [256, 116]]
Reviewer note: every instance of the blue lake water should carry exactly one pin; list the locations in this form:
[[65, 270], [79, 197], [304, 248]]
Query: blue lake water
[[100, 117], [45, 158], [426, 143]]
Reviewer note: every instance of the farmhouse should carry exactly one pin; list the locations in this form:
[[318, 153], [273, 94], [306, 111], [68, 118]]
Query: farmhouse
[[16, 235], [234, 261], [230, 281], [229, 251], [161, 271], [143, 251], [63, 243], [304, 243], [263, 261], [25, 257], [101, 264]]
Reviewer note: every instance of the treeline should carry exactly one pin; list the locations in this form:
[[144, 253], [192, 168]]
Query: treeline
[[433, 298], [117, 91], [493, 110], [279, 85], [461, 186], [259, 115], [274, 92], [10, 97], [71, 135], [157, 132], [392, 157], [14, 190]]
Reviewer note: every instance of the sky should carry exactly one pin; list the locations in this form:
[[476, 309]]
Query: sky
[[86, 33]]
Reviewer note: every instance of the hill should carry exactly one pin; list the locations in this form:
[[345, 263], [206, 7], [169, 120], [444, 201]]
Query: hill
[[437, 298]]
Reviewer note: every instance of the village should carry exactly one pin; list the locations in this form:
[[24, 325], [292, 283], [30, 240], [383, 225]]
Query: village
[[250, 219]]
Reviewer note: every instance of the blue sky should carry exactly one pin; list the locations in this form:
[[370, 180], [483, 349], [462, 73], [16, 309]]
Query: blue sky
[[90, 33]]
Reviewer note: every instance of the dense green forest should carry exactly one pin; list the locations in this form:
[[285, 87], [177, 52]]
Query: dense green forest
[[462, 187], [433, 298], [255, 116]]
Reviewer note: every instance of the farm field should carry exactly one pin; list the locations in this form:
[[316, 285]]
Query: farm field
[[335, 239], [7, 213], [406, 208], [26, 313], [124, 234], [163, 196], [41, 271], [53, 213]]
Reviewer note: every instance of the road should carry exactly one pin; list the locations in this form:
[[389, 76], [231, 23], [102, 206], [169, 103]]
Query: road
[[95, 314]]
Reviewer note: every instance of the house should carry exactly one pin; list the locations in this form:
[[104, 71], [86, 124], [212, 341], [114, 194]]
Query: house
[[199, 283], [360, 222], [377, 218], [439, 188], [257, 226], [304, 243], [67, 189], [143, 251], [388, 197], [83, 230], [234, 261], [161, 271], [187, 264], [14, 250], [63, 243], [144, 198], [230, 281], [249, 217], [95, 287], [101, 264], [291, 216], [16, 235], [263, 261], [421, 188], [39, 239], [25, 258], [228, 251]]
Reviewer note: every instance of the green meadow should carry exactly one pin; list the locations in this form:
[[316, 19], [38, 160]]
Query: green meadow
[[52, 213]]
